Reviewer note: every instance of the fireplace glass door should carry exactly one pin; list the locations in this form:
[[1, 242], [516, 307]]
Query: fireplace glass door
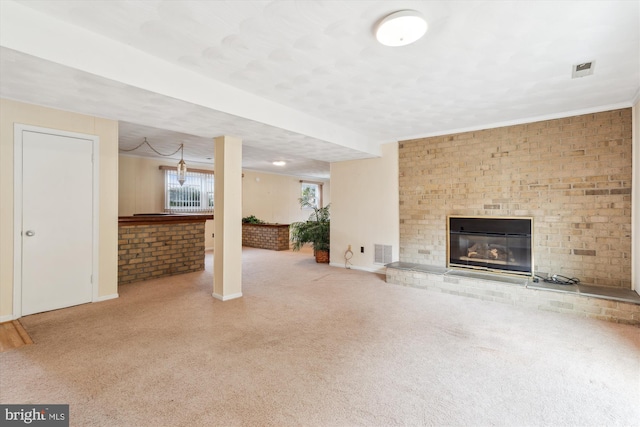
[[496, 244]]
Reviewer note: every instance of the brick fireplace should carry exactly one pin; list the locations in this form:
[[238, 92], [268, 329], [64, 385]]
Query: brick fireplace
[[571, 175]]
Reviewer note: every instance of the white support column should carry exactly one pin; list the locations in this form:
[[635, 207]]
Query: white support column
[[227, 252]]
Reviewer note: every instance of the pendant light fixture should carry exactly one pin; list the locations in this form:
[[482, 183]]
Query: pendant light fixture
[[182, 166]]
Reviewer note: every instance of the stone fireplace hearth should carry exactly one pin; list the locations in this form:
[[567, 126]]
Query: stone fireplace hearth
[[604, 303]]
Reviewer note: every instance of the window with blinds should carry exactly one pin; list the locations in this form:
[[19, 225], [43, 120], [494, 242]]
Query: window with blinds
[[195, 195]]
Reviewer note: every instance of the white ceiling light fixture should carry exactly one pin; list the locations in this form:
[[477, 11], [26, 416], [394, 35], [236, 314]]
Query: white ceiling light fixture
[[401, 28], [279, 163]]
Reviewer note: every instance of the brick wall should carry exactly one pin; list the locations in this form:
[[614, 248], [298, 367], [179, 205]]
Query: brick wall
[[266, 236], [150, 251], [572, 175]]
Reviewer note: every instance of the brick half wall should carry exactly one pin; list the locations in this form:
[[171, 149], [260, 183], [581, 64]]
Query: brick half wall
[[158, 250], [572, 175], [274, 237]]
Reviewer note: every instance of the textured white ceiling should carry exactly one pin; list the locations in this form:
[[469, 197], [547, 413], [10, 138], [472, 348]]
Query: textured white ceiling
[[481, 63]]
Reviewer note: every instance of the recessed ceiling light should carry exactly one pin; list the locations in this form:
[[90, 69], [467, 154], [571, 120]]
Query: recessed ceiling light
[[279, 163], [401, 28]]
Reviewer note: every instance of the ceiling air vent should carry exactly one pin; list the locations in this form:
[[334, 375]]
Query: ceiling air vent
[[582, 70]]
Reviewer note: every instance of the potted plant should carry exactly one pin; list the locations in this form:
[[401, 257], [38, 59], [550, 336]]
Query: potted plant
[[316, 230], [251, 219]]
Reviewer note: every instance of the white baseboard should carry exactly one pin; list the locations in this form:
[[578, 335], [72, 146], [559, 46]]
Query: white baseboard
[[7, 318], [227, 297], [378, 270], [106, 298]]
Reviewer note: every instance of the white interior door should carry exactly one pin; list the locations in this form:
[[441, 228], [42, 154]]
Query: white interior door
[[57, 221]]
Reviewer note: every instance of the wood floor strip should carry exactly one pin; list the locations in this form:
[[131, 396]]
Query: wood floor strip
[[23, 333], [13, 335]]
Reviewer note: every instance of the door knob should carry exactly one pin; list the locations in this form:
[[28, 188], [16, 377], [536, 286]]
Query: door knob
[[30, 233]]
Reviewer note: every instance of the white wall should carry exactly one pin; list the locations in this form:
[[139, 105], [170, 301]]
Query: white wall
[[365, 208], [107, 130], [270, 197], [274, 198], [141, 185], [635, 202]]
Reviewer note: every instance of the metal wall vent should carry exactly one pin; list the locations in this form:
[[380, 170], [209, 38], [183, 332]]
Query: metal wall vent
[[382, 254], [582, 70]]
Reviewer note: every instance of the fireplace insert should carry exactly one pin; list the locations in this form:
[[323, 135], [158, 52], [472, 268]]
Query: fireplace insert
[[497, 244]]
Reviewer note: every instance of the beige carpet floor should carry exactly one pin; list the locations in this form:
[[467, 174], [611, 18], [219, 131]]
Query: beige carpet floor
[[314, 345]]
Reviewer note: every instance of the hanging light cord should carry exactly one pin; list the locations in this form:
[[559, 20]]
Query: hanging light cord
[[154, 150]]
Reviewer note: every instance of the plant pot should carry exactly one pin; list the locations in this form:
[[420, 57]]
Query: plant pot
[[322, 256]]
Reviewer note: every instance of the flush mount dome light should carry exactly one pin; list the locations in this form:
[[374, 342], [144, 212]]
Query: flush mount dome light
[[401, 28], [279, 163]]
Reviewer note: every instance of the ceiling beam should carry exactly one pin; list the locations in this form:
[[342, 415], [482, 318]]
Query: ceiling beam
[[34, 33]]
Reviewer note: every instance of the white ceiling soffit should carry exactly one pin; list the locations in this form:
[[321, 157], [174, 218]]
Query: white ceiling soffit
[[26, 30], [23, 79], [315, 70], [201, 151]]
